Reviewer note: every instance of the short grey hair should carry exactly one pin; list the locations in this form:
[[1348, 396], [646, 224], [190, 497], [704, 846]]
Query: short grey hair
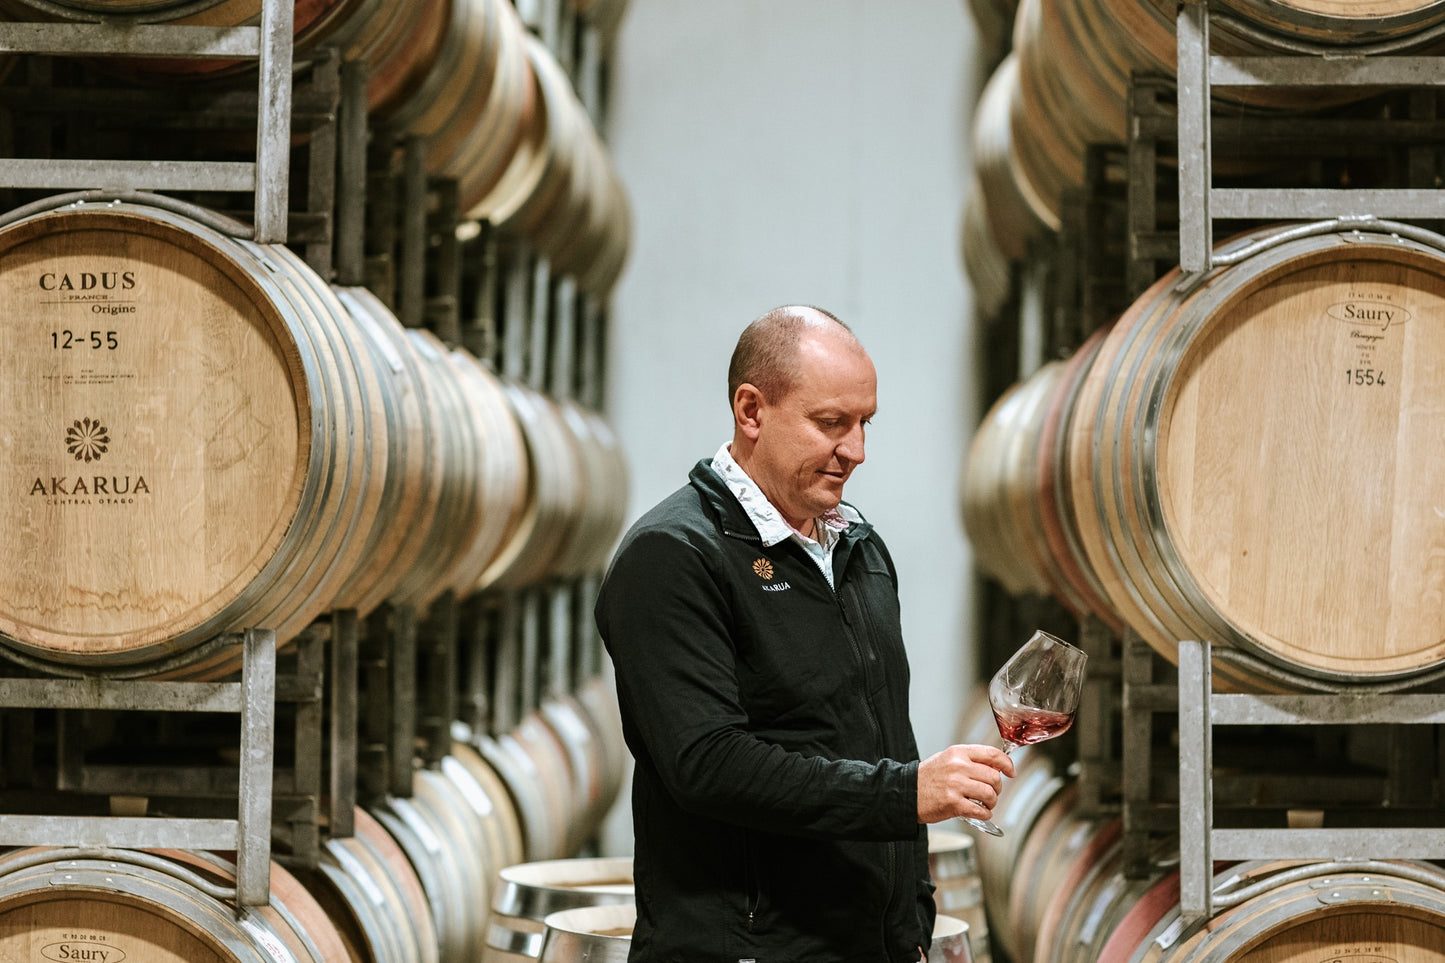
[[766, 355]]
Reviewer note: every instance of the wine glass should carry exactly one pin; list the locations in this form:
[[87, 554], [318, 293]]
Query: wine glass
[[1034, 697]]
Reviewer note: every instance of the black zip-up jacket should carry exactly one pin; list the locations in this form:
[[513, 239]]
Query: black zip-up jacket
[[774, 798]]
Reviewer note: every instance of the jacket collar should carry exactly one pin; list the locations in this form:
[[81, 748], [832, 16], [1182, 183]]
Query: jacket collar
[[733, 519]]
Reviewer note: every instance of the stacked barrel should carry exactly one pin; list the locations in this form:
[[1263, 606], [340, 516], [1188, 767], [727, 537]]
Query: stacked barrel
[[1182, 475], [208, 435], [1063, 85], [1242, 455]]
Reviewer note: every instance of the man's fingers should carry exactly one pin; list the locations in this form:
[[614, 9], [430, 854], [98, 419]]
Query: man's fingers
[[962, 780]]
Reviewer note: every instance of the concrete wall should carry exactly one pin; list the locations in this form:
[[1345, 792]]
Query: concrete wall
[[807, 151]]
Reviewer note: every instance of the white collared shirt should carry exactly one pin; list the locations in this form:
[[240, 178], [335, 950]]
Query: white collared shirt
[[771, 526]]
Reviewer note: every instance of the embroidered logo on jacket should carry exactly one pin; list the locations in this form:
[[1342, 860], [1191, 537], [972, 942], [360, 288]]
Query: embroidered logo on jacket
[[763, 569]]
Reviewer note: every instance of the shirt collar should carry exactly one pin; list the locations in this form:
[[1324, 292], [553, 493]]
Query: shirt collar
[[766, 517]]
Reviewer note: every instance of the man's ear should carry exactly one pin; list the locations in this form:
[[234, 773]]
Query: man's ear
[[747, 408]]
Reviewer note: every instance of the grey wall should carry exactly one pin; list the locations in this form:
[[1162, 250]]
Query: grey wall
[[809, 151]]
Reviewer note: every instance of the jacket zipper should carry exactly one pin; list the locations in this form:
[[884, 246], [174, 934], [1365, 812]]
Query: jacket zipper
[[890, 861], [869, 712], [754, 891]]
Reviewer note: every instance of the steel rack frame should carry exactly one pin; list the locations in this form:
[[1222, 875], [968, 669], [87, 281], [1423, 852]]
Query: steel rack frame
[[1201, 710], [1200, 72], [270, 44], [316, 676], [1158, 797], [253, 698]]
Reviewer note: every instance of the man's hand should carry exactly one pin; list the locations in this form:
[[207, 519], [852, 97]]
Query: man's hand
[[961, 781]]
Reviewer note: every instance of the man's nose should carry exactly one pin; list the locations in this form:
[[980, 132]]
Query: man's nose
[[850, 449]]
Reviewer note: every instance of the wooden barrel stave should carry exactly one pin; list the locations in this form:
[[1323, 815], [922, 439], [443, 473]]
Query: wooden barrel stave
[[488, 795], [414, 476], [518, 770], [1055, 497], [147, 904], [1302, 911], [440, 835], [503, 471], [378, 891]]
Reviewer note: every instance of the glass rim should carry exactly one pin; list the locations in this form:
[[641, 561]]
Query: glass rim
[[1055, 638]]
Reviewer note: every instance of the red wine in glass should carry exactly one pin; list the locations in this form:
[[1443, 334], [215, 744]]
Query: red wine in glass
[[1034, 697], [1025, 725]]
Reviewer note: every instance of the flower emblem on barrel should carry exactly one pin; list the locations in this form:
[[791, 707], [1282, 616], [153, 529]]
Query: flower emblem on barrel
[[87, 440], [763, 568]]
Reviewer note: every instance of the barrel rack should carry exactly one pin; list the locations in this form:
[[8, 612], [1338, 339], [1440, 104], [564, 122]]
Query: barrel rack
[[363, 701], [270, 44], [1131, 221], [253, 698], [1200, 72], [1200, 708]]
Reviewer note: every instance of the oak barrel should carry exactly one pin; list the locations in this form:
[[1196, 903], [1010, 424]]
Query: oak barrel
[[480, 472], [603, 497], [1050, 841], [1013, 206], [987, 268], [999, 488], [448, 846], [582, 744], [555, 781], [553, 499], [594, 934], [1293, 911], [527, 785], [597, 698], [1080, 587], [1092, 897], [527, 893], [153, 906], [413, 482], [196, 441], [370, 890], [1020, 804], [1264, 24], [1074, 59], [603, 934], [953, 942], [1254, 456], [490, 802], [958, 891]]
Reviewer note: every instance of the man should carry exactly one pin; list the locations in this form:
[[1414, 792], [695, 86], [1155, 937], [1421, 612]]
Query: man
[[752, 617]]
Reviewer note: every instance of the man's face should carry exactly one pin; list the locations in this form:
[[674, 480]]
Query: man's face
[[810, 440]]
